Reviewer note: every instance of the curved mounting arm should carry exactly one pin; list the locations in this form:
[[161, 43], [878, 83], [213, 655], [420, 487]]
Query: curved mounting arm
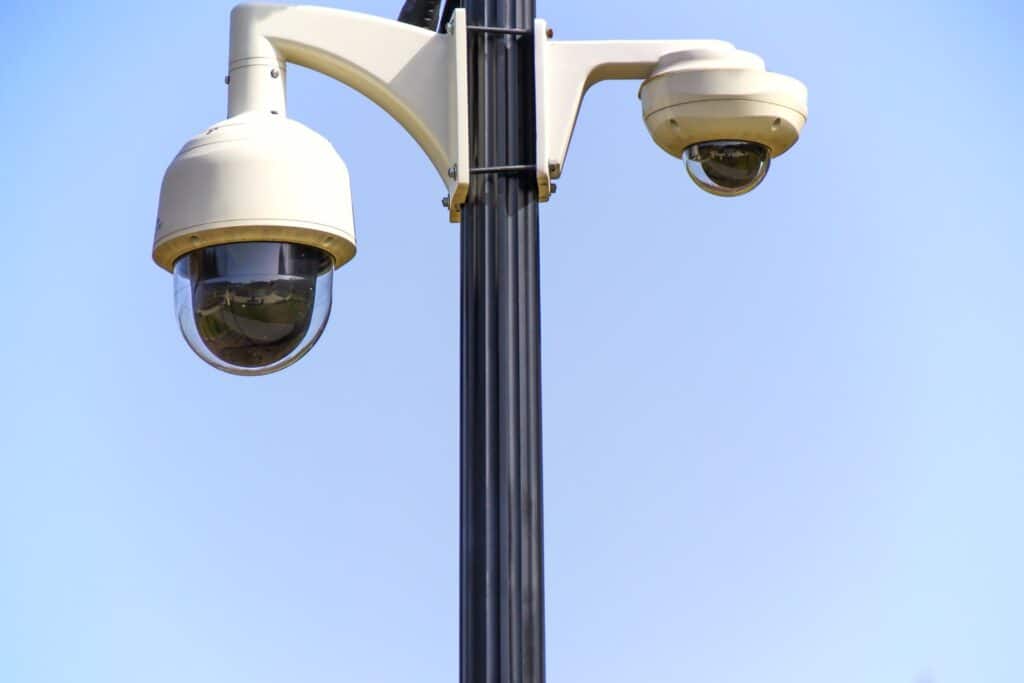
[[567, 69], [418, 76]]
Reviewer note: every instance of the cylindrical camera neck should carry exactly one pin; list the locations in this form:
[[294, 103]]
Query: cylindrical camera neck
[[256, 72], [257, 86]]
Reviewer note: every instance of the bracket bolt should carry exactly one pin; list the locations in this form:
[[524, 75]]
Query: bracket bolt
[[550, 32], [453, 172], [274, 73], [446, 202]]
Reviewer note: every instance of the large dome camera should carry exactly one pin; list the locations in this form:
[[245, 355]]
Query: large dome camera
[[254, 217]]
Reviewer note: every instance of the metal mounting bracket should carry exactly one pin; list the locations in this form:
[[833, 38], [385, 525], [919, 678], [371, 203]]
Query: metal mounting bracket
[[565, 70], [419, 77]]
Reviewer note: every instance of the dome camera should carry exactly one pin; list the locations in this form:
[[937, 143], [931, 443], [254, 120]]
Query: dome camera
[[255, 215], [723, 114]]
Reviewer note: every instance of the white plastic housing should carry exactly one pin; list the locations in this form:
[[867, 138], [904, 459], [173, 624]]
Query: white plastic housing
[[255, 177], [702, 95]]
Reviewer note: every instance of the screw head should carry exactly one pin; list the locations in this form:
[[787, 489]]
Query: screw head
[[446, 202], [274, 73], [453, 172]]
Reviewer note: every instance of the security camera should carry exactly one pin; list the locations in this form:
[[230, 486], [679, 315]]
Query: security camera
[[723, 114], [255, 215]]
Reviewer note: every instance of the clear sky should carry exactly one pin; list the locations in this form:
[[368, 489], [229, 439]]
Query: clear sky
[[783, 433]]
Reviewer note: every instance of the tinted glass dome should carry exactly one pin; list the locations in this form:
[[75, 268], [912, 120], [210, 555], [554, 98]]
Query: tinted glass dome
[[727, 167], [253, 308]]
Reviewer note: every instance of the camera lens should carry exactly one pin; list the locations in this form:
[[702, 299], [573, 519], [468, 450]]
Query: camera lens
[[727, 167], [253, 308]]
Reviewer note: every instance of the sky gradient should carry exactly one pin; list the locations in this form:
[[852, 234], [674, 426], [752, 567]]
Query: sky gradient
[[782, 433]]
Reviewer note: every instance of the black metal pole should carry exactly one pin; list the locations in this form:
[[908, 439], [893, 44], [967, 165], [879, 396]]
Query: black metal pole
[[501, 569]]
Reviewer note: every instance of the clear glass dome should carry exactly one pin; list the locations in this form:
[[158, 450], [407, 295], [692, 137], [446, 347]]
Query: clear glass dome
[[253, 308], [727, 168]]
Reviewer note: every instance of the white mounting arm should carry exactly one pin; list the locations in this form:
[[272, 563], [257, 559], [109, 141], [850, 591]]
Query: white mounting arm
[[421, 78], [567, 69], [418, 76]]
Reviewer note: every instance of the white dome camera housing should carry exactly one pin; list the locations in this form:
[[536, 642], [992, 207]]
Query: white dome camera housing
[[724, 114], [255, 214]]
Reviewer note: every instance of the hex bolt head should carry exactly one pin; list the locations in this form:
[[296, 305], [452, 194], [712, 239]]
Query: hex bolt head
[[227, 79], [554, 188], [274, 73], [453, 172], [550, 32], [446, 202]]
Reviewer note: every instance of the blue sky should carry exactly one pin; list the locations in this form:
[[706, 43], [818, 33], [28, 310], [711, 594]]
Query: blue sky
[[783, 434]]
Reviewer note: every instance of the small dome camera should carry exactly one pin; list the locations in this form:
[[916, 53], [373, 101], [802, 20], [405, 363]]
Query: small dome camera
[[724, 115]]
